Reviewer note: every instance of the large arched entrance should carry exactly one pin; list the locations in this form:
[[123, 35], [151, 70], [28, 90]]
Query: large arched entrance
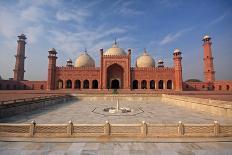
[[115, 76], [115, 84]]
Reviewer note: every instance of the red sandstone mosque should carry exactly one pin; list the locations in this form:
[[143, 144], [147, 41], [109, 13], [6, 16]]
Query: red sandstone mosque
[[115, 72]]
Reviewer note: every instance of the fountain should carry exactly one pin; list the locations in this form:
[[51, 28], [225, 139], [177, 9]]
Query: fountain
[[117, 109]]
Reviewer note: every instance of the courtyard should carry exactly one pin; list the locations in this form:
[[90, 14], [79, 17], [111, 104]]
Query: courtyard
[[90, 112]]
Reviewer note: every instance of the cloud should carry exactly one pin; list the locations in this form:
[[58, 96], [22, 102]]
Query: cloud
[[32, 14], [174, 36], [126, 8], [218, 19], [72, 42], [75, 15]]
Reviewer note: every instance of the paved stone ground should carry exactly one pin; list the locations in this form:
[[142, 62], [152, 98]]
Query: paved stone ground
[[81, 112], [115, 148]]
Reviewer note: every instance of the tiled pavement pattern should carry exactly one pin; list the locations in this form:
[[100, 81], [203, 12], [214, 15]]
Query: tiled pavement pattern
[[81, 112], [115, 148]]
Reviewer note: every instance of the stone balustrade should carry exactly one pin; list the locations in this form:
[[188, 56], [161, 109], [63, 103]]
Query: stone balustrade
[[115, 130], [17, 106], [216, 107]]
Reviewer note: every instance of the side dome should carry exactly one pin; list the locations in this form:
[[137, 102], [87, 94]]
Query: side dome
[[115, 50], [145, 60], [84, 60]]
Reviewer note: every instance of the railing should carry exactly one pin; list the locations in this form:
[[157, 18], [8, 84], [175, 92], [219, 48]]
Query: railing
[[115, 130], [31, 99], [14, 107]]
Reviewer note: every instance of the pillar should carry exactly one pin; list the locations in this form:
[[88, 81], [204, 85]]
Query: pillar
[[51, 83], [209, 73], [178, 69], [20, 58], [101, 70]]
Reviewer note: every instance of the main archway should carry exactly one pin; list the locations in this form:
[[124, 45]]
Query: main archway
[[115, 76], [115, 84]]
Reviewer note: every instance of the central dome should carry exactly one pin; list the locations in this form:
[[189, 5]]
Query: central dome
[[145, 60], [84, 60], [115, 50]]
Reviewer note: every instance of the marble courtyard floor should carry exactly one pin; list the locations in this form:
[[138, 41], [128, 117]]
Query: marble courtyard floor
[[115, 148], [82, 112]]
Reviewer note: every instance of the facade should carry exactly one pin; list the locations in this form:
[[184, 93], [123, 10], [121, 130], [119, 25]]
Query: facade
[[115, 72]]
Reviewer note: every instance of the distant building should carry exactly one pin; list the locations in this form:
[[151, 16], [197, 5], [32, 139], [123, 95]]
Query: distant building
[[115, 72]]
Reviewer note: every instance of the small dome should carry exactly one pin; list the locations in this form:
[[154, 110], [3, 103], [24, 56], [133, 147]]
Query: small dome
[[206, 37], [115, 50], [160, 61], [69, 60], [84, 60], [22, 36], [145, 60], [176, 50]]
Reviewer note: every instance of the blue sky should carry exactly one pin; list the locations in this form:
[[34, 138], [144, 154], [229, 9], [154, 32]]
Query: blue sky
[[159, 26]]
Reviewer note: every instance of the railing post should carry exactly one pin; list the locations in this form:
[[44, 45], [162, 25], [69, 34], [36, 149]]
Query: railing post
[[216, 128], [144, 129], [70, 128], [32, 128], [180, 128], [107, 128]]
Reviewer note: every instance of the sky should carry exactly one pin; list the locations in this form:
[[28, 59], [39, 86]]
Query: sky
[[71, 26]]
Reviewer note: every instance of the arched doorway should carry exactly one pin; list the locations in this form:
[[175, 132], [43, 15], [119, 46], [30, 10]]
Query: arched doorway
[[115, 84], [161, 84], [86, 84], [68, 84], [152, 84], [135, 84], [144, 84], [115, 75], [227, 87], [95, 84], [169, 84], [78, 84], [60, 84]]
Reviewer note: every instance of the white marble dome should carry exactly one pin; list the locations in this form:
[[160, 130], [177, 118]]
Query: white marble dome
[[84, 60], [115, 50], [145, 60], [206, 37]]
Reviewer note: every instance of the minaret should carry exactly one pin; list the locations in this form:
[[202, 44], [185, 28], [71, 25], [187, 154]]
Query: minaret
[[178, 69], [51, 83], [160, 63], [20, 58], [209, 73], [69, 63]]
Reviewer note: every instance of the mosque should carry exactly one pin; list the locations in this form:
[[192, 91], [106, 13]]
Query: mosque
[[115, 72]]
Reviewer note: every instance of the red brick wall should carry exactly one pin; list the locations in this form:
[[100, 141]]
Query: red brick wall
[[22, 85]]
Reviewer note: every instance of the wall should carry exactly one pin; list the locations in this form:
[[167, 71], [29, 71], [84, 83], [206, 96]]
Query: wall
[[217, 107], [155, 74], [221, 85], [77, 73], [22, 85], [27, 105]]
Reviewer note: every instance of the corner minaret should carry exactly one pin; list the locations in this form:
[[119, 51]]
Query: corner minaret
[[178, 69], [20, 58], [51, 83], [209, 73]]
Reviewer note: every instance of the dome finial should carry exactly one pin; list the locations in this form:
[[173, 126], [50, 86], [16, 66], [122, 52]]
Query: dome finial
[[115, 44], [145, 51], [115, 41], [85, 51]]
